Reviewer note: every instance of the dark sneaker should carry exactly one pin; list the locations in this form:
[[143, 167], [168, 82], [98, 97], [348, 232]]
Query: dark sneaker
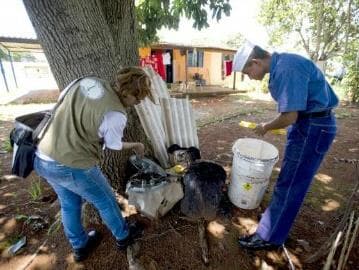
[[254, 242], [94, 240], [135, 231]]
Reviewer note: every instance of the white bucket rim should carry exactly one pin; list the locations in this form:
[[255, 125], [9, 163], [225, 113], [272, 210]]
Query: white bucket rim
[[250, 158]]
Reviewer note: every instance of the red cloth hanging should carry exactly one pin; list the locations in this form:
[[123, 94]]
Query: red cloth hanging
[[160, 66], [156, 61], [228, 67], [149, 61]]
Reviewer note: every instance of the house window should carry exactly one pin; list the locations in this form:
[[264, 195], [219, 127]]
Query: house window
[[195, 58]]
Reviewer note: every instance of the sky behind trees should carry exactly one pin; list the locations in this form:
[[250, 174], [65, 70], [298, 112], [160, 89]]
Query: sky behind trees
[[14, 22]]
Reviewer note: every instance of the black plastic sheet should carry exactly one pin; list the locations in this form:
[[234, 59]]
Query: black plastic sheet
[[203, 183]]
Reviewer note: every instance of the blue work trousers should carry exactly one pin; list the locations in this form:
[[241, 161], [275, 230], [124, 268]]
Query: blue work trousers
[[308, 140]]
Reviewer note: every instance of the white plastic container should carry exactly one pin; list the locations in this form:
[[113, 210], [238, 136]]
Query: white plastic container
[[253, 162]]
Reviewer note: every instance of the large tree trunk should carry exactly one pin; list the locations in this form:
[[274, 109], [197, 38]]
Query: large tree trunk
[[81, 37]]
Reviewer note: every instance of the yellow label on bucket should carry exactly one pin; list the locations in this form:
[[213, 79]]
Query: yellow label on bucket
[[252, 125], [247, 186]]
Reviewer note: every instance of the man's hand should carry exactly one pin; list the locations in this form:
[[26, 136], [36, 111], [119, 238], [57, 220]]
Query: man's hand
[[260, 129], [283, 120]]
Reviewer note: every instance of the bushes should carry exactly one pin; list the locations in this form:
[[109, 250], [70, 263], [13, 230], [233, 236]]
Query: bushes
[[352, 84], [252, 85], [351, 80]]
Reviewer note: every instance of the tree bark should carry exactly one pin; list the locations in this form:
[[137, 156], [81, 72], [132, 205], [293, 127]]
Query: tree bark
[[121, 20], [81, 37], [75, 38]]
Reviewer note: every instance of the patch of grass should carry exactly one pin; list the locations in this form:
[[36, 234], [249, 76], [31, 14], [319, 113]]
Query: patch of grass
[[21, 217], [7, 145], [242, 97], [340, 90], [55, 226], [35, 190], [256, 110], [229, 116], [343, 115], [11, 240], [315, 194], [4, 245]]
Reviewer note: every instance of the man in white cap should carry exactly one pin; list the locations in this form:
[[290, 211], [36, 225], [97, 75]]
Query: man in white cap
[[305, 102]]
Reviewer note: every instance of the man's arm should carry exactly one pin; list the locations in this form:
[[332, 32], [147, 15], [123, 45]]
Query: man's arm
[[281, 121]]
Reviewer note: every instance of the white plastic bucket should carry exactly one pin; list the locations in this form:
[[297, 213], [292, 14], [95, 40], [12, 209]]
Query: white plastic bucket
[[252, 166]]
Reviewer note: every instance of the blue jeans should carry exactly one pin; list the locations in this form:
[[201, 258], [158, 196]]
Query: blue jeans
[[307, 142], [72, 186]]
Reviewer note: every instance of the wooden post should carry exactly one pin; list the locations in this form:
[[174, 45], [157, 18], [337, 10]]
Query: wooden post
[[12, 68], [3, 75], [331, 254], [186, 66], [342, 253], [234, 80], [203, 241]]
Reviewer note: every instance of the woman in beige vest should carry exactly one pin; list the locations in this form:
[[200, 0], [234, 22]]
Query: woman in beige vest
[[91, 117]]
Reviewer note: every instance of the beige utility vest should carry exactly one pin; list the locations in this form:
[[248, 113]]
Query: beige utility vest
[[72, 137]]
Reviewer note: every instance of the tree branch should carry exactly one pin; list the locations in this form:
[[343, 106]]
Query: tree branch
[[305, 44], [348, 26], [329, 47], [319, 29]]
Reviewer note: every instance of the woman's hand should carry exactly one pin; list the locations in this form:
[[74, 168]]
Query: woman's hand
[[139, 149]]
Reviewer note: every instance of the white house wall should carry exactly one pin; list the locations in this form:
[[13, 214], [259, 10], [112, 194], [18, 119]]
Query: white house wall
[[29, 76], [215, 68]]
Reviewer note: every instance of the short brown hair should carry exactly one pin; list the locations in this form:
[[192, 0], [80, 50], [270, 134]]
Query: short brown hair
[[132, 80]]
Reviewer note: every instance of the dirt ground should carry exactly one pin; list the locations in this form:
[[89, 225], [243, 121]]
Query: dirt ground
[[172, 242]]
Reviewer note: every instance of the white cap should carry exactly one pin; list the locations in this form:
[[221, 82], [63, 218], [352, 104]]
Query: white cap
[[242, 56]]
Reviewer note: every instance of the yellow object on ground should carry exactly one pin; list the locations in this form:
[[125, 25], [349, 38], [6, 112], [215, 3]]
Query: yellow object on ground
[[252, 125], [177, 169]]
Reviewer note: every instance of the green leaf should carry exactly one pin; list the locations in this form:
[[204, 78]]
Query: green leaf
[[152, 15]]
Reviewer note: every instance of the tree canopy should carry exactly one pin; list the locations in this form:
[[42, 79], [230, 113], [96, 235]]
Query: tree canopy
[[324, 28], [235, 41], [16, 56], [152, 15]]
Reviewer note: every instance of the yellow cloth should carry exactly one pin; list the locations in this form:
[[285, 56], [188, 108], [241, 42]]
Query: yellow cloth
[[252, 125]]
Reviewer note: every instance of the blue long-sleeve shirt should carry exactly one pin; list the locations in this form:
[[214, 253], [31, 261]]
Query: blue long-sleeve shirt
[[297, 84]]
